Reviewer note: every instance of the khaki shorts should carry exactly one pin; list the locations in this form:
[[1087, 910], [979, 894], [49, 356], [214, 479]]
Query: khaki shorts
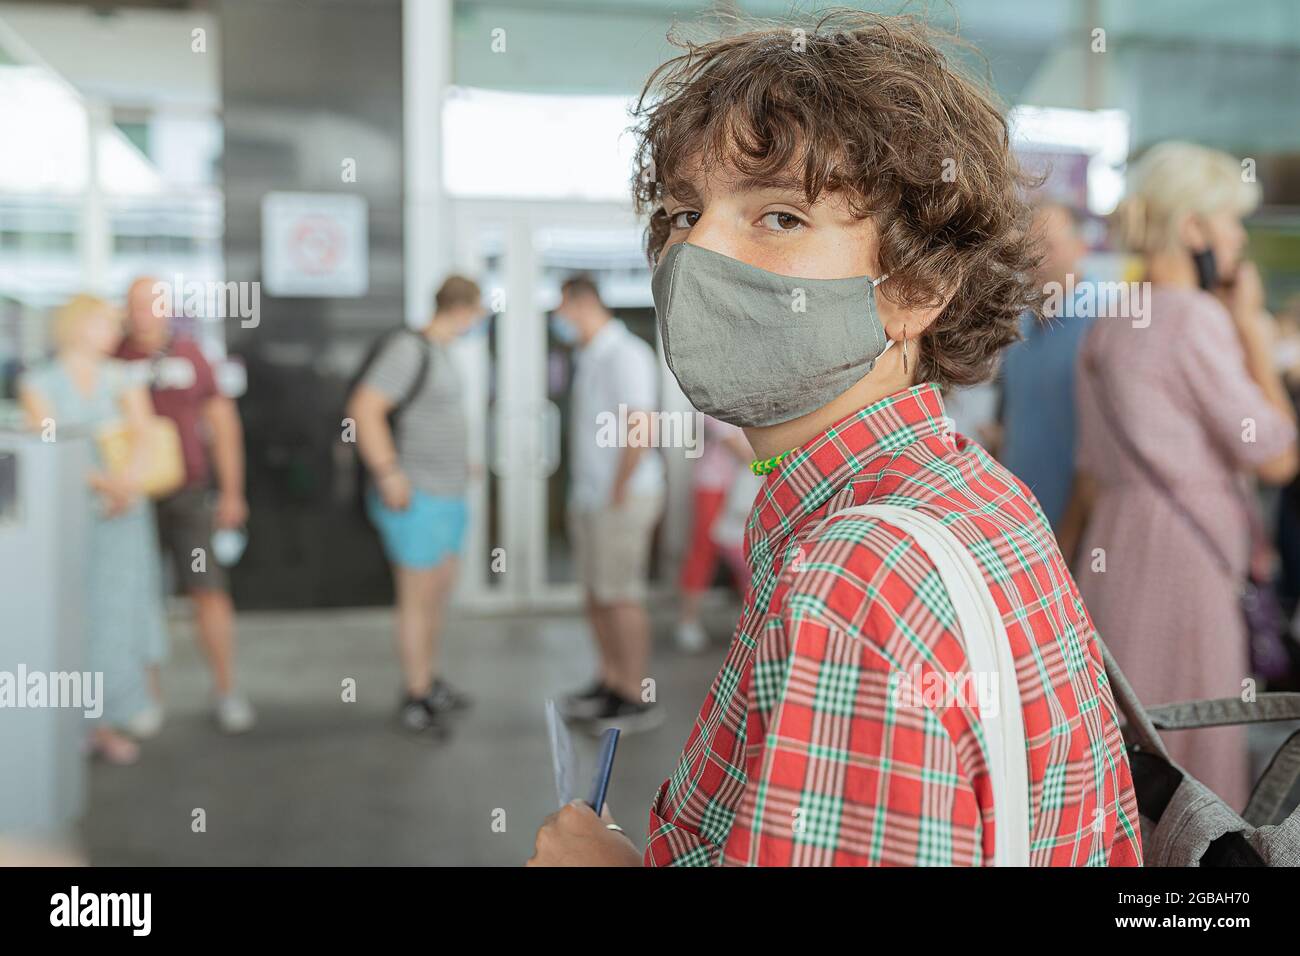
[[612, 547]]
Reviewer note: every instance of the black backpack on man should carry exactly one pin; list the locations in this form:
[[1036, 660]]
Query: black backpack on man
[[376, 349]]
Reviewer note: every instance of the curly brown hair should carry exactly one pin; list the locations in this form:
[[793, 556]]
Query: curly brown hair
[[868, 104]]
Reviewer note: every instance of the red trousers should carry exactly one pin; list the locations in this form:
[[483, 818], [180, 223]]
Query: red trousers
[[702, 555]]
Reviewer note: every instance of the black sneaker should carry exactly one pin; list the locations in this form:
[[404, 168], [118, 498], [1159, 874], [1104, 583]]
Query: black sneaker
[[627, 715], [443, 698], [416, 715], [584, 703]]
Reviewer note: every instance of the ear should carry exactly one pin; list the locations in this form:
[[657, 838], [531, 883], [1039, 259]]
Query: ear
[[1192, 233], [900, 321]]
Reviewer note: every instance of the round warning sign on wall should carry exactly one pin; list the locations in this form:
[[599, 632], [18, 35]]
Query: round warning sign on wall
[[314, 244]]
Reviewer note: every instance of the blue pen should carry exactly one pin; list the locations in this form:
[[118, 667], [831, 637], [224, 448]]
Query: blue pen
[[604, 768]]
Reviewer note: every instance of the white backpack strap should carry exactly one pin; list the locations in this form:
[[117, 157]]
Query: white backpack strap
[[988, 652]]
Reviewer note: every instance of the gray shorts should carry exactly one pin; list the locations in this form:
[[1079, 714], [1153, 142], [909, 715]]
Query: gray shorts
[[185, 524]]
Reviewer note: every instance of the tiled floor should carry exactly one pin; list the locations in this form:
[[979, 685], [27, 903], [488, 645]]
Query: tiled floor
[[326, 782], [321, 781]]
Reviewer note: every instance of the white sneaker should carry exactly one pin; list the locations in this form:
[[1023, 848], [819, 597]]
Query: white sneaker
[[692, 637], [235, 714], [147, 723]]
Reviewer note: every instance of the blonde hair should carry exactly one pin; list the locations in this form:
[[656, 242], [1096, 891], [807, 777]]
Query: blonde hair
[[71, 317], [1171, 181]]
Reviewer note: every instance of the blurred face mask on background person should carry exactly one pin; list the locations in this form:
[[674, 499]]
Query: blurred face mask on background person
[[754, 348], [477, 328], [563, 329]]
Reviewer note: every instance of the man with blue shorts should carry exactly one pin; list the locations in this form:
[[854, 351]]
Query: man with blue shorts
[[411, 434]]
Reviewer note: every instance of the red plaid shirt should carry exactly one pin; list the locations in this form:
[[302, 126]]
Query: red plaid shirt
[[805, 751]]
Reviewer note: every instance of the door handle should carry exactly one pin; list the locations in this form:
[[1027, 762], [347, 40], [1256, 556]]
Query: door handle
[[550, 430], [525, 442]]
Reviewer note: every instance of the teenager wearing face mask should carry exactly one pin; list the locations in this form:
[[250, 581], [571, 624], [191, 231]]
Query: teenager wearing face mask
[[818, 279], [1174, 410]]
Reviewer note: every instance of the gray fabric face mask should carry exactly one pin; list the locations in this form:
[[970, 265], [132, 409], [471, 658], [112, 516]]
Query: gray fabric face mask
[[753, 348]]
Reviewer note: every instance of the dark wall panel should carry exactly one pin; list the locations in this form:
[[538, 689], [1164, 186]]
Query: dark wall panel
[[306, 86]]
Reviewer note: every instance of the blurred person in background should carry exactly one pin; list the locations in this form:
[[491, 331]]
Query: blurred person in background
[[1286, 353], [723, 461], [616, 496], [183, 388], [1037, 405], [125, 631], [1174, 411], [411, 433], [974, 412]]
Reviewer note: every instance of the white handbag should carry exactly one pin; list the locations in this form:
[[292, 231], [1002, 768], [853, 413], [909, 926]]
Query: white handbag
[[987, 652]]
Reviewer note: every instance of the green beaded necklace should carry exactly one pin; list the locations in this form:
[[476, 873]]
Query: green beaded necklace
[[768, 465]]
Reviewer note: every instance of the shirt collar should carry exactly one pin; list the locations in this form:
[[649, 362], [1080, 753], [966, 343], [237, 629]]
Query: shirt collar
[[852, 452], [129, 347]]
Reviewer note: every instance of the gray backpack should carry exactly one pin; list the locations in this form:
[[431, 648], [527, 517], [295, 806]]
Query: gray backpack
[[1183, 822]]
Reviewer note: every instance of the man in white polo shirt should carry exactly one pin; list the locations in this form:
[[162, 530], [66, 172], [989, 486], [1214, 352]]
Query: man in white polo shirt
[[615, 499]]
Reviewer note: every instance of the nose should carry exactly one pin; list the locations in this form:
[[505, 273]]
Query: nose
[[710, 232]]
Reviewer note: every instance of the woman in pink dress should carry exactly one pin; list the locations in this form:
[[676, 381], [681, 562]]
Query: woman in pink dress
[[1179, 407]]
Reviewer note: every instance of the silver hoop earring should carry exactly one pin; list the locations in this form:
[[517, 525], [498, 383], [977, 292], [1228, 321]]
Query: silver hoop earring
[[905, 371]]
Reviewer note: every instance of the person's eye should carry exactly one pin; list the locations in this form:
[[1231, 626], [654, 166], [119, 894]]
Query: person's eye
[[781, 221], [684, 219]]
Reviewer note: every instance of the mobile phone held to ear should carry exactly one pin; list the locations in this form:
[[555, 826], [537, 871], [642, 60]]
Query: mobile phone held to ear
[[604, 768], [1207, 270]]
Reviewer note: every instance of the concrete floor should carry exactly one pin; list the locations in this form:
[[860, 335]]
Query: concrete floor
[[321, 781]]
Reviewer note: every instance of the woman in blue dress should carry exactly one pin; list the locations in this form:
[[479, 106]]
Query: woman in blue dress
[[82, 388]]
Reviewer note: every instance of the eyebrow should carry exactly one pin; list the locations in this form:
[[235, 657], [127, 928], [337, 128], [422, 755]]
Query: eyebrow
[[682, 190], [789, 183], [686, 192]]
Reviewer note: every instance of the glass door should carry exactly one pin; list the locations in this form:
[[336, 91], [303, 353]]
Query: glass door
[[519, 555], [613, 256]]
